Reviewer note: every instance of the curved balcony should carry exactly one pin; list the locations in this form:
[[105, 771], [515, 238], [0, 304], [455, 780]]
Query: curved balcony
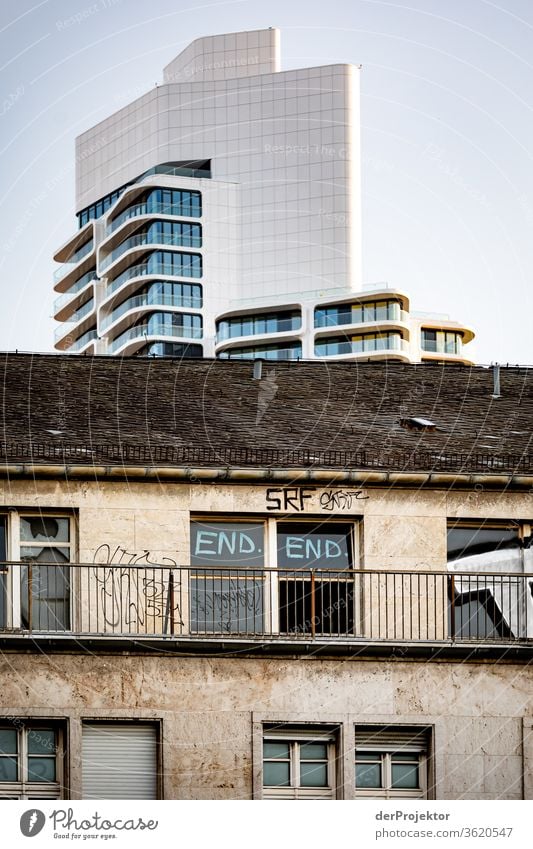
[[127, 248], [150, 209], [83, 317], [287, 350], [81, 343], [158, 269], [66, 303], [389, 346], [142, 334], [265, 324], [149, 300], [74, 260], [75, 243]]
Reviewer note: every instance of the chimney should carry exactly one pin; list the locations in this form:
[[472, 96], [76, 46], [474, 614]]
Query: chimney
[[496, 381]]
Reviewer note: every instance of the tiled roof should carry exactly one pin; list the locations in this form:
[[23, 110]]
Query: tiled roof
[[165, 412]]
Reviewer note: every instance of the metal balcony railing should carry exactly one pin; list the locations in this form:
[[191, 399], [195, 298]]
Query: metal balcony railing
[[151, 299], [152, 208], [159, 238], [190, 602], [76, 257]]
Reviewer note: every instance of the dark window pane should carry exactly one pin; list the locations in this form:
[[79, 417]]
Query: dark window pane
[[313, 751], [41, 769], [41, 741], [368, 775], [227, 543], [8, 769], [313, 774], [8, 741], [404, 776], [276, 774], [276, 750]]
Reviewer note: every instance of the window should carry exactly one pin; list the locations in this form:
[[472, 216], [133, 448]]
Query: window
[[338, 345], [391, 763], [284, 351], [316, 593], [482, 603], [120, 760], [171, 349], [253, 325], [441, 341], [30, 760], [332, 316], [298, 764], [45, 589], [223, 599]]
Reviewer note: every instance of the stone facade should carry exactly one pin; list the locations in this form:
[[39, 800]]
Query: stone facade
[[210, 704]]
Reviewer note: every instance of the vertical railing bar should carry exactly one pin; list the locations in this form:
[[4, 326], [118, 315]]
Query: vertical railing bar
[[313, 605], [171, 599], [30, 596]]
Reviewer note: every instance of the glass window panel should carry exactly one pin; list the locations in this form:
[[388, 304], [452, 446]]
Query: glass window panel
[[276, 774], [369, 756], [41, 741], [325, 546], [368, 775], [404, 756], [313, 774], [8, 741], [44, 528], [47, 554], [467, 542], [313, 751], [404, 776], [227, 543], [41, 769], [276, 750], [8, 769]]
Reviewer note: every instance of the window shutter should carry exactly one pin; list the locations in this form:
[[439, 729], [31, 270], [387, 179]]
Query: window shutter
[[395, 738], [119, 761]]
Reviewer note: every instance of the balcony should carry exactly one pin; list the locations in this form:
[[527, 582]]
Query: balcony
[[150, 300], [154, 331], [419, 611], [177, 241], [144, 208], [68, 326], [82, 342], [67, 297], [153, 269], [75, 258]]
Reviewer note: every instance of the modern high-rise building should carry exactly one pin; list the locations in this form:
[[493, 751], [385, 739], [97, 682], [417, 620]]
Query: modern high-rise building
[[219, 215]]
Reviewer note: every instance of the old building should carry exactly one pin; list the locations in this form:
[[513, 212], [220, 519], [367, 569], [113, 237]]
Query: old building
[[237, 580]]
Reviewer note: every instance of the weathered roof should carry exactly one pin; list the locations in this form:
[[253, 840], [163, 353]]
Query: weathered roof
[[165, 412]]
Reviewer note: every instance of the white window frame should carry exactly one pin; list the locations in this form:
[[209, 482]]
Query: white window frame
[[13, 548], [384, 752], [22, 788], [271, 613], [294, 739]]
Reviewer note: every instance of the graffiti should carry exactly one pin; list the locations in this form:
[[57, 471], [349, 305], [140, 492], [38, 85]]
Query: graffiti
[[341, 499], [137, 598], [295, 498], [291, 497], [228, 606]]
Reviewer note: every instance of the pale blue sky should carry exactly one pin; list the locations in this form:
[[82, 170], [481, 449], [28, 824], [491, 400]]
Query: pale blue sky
[[447, 131]]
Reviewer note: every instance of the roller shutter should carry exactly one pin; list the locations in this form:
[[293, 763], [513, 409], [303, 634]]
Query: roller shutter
[[119, 761]]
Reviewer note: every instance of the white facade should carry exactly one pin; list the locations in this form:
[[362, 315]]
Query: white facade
[[272, 162]]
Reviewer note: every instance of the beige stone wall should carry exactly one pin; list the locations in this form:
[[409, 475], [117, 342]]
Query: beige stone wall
[[402, 529], [481, 714]]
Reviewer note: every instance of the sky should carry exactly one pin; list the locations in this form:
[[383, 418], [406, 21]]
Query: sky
[[447, 139]]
